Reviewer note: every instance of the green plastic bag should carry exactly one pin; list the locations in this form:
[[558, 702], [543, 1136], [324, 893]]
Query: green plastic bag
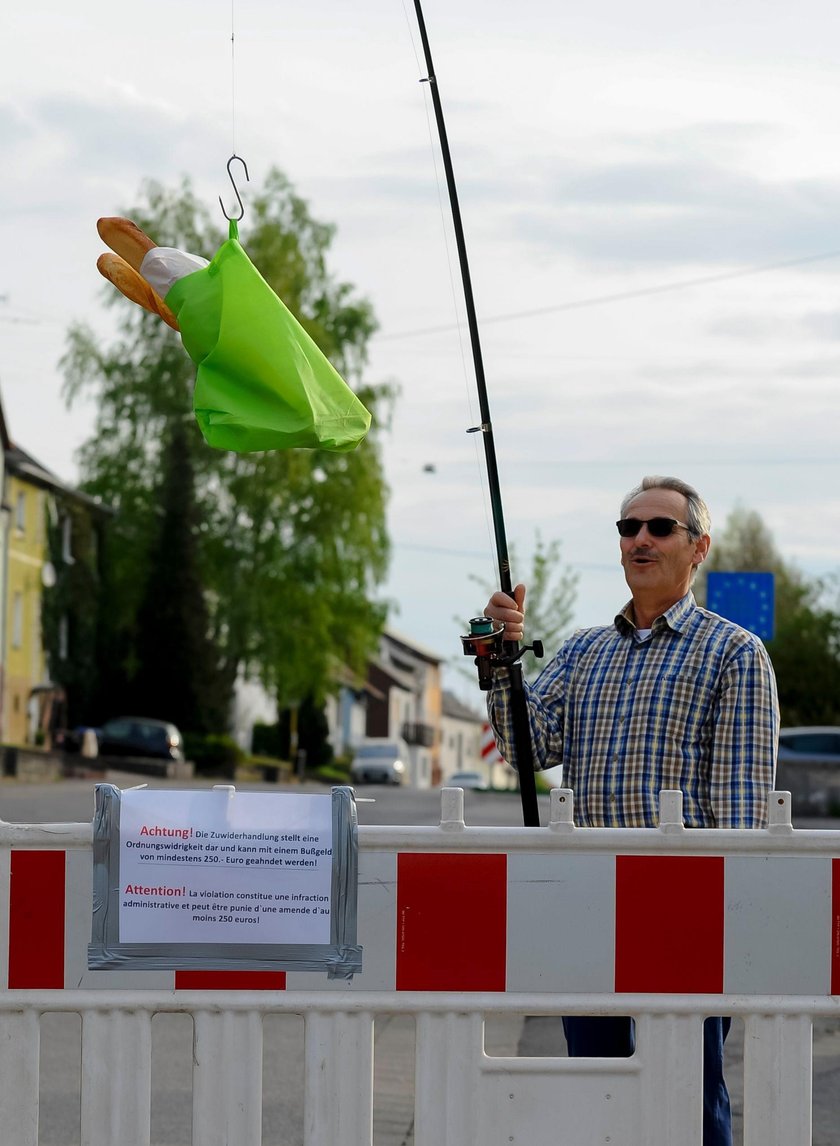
[[262, 383]]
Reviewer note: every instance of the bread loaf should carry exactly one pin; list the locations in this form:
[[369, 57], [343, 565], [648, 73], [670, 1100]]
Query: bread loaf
[[126, 279], [126, 239]]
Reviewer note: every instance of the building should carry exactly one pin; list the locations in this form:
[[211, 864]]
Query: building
[[5, 445], [404, 702], [468, 745], [460, 739], [49, 606], [346, 710], [252, 704]]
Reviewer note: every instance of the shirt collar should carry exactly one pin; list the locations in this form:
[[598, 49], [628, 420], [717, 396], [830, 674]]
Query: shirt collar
[[676, 618]]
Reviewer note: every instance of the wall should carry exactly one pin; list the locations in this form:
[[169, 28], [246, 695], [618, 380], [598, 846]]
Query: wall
[[25, 659]]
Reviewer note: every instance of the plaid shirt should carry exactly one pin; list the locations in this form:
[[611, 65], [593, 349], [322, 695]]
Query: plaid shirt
[[694, 707]]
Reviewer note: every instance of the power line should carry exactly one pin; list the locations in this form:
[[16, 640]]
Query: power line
[[710, 463], [617, 296], [698, 463], [474, 554]]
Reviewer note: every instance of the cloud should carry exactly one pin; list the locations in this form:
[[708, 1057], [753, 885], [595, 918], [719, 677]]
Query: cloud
[[78, 143], [823, 324], [755, 328], [677, 198], [773, 326], [14, 127]]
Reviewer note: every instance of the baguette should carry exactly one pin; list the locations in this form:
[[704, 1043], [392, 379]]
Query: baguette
[[126, 279], [126, 239]]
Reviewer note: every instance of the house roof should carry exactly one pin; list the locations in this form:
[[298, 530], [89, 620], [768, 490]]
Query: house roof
[[452, 706], [412, 646], [5, 440], [25, 466], [404, 680], [345, 676]]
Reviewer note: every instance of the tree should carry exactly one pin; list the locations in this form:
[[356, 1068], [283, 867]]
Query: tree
[[291, 546], [746, 545], [179, 677], [805, 649], [806, 656], [550, 601]]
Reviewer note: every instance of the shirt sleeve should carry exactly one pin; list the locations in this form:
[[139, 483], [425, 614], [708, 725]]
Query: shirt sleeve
[[546, 706], [746, 737]]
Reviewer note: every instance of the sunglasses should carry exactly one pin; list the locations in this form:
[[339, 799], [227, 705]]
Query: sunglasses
[[657, 526]]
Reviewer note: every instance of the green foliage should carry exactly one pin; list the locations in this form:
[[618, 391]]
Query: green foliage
[[806, 655], [310, 721], [290, 547], [549, 602], [268, 740], [805, 649], [745, 544], [73, 602], [334, 773], [213, 755], [270, 767], [179, 677]]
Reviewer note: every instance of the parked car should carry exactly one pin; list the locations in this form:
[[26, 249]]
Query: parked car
[[809, 767], [468, 780], [140, 737], [377, 760], [822, 741]]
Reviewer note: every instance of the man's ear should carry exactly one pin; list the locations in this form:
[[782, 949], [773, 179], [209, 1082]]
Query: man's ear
[[701, 549]]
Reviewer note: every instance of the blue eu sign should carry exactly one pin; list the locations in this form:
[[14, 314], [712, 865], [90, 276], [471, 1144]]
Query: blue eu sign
[[748, 599]]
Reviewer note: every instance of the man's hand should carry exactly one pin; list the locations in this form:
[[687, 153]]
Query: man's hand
[[510, 611]]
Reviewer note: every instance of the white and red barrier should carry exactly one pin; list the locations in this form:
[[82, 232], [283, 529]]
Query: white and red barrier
[[532, 913], [668, 925], [490, 753]]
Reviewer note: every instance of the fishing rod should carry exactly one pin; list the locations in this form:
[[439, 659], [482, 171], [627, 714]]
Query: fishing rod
[[485, 640]]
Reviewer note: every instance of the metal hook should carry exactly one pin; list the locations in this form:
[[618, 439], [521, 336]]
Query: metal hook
[[235, 218]]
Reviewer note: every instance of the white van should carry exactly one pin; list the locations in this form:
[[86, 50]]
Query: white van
[[379, 760]]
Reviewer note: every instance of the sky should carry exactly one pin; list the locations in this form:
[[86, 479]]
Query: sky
[[651, 200]]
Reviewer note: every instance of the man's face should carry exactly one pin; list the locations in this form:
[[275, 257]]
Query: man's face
[[661, 565]]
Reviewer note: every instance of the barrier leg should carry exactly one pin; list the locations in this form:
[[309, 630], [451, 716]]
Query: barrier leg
[[449, 1050], [777, 1080], [116, 1078], [19, 1070], [670, 1049], [339, 1079], [227, 1078]]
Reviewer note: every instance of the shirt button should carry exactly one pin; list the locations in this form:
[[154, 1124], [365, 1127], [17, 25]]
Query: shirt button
[[612, 799]]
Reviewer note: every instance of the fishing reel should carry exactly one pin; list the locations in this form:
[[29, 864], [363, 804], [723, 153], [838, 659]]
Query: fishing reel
[[486, 642]]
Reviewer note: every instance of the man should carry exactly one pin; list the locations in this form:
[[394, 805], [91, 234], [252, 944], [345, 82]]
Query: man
[[668, 696]]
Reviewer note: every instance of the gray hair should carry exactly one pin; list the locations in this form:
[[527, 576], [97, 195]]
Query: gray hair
[[699, 520]]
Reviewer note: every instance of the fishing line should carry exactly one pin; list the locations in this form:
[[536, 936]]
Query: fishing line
[[232, 80], [479, 461]]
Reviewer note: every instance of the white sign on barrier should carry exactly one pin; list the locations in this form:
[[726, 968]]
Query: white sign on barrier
[[199, 867], [195, 880]]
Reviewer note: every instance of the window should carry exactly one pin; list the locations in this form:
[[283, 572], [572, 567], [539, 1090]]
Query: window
[[67, 539], [20, 512], [816, 743], [17, 621]]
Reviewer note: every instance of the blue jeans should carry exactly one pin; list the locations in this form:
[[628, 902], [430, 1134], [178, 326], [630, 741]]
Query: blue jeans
[[616, 1038]]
